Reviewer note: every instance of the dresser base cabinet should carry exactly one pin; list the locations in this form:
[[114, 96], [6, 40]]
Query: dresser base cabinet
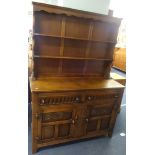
[[62, 116]]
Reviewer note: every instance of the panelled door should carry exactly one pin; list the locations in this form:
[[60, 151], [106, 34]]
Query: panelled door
[[56, 124], [59, 116], [101, 114]]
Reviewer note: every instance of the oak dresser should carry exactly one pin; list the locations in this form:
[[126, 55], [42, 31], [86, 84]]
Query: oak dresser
[[73, 96]]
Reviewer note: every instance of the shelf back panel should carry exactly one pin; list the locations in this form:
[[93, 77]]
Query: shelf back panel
[[74, 48], [47, 23], [100, 51], [58, 67], [47, 46], [77, 27]]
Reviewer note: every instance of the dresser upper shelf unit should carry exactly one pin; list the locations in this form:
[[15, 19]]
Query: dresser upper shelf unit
[[69, 42]]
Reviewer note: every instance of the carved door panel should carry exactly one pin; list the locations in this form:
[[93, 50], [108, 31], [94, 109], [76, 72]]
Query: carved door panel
[[56, 125]]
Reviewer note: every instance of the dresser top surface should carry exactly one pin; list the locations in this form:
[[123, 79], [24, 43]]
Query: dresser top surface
[[67, 84]]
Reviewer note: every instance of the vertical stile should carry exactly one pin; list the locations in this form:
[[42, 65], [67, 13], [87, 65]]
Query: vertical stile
[[88, 46], [34, 66], [62, 42], [56, 131], [98, 124]]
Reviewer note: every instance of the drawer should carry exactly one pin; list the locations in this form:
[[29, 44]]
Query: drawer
[[75, 98], [102, 97], [46, 99]]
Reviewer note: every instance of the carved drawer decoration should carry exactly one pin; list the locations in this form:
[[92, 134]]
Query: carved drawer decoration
[[59, 100], [56, 116]]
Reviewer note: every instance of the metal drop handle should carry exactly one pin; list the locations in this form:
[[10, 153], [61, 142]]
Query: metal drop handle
[[73, 121], [89, 98], [87, 120]]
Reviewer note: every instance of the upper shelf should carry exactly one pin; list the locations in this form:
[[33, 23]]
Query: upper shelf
[[74, 58], [74, 38]]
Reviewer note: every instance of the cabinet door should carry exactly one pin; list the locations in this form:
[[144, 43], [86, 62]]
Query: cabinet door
[[100, 118], [55, 124]]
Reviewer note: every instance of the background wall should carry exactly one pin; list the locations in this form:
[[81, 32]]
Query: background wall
[[119, 7], [98, 6]]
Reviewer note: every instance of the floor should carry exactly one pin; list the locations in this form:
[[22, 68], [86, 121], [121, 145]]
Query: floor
[[97, 146]]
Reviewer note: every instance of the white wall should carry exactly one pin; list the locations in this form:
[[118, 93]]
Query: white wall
[[98, 6]]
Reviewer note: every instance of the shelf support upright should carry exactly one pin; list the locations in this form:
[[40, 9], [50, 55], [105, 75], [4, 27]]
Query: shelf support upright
[[62, 42]]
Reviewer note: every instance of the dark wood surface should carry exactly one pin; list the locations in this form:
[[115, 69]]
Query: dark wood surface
[[73, 96]]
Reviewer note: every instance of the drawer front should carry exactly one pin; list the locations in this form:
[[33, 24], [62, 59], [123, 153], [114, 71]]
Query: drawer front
[[75, 98], [59, 99], [101, 97]]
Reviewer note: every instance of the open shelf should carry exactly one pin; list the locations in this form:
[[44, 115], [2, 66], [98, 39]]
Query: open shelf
[[74, 38], [72, 58]]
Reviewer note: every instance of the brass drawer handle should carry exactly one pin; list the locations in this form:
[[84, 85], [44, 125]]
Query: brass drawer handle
[[42, 102], [77, 99], [73, 121], [87, 120], [48, 118], [89, 98]]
